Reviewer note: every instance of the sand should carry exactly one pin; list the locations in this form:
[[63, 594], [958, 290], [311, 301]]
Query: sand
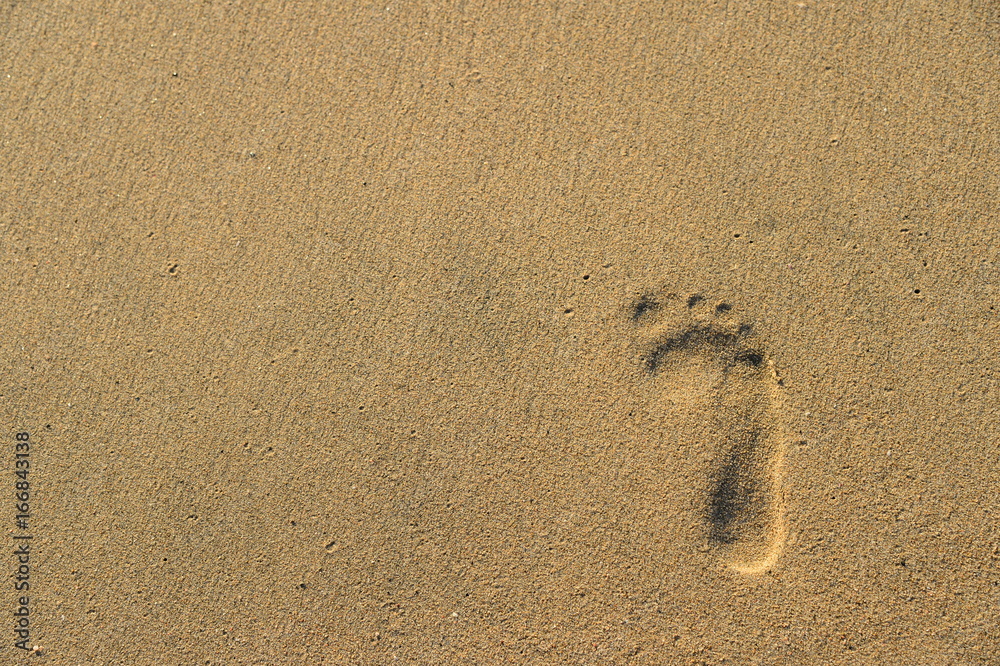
[[451, 333]]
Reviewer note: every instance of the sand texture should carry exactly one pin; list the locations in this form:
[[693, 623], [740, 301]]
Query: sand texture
[[536, 333]]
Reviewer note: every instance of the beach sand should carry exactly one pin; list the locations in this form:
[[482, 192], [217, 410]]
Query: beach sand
[[474, 334]]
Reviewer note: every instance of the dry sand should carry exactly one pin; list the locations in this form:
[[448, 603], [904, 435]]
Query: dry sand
[[426, 333]]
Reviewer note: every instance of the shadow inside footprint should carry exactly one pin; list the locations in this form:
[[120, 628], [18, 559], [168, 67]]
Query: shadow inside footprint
[[693, 339], [730, 497]]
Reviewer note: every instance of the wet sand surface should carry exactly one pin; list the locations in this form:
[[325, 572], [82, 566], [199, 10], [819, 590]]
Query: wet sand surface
[[470, 334]]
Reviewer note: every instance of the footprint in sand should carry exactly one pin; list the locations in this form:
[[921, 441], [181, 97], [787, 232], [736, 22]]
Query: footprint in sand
[[744, 512]]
